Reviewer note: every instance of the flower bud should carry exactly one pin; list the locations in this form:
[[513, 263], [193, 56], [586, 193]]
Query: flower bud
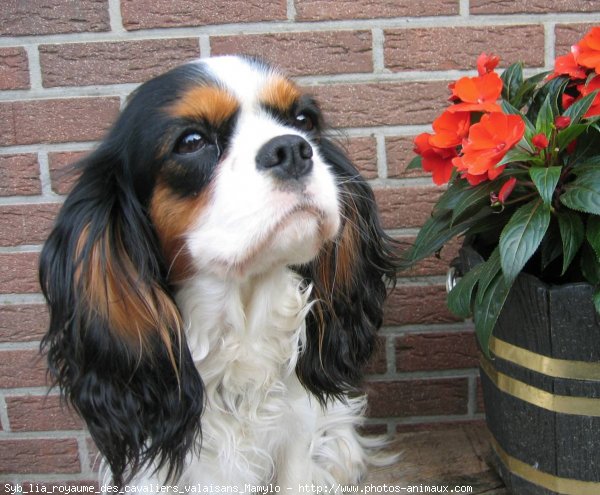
[[561, 122], [506, 189], [540, 141]]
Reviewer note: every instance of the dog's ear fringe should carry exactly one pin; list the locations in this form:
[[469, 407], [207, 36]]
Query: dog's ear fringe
[[115, 345], [351, 278]]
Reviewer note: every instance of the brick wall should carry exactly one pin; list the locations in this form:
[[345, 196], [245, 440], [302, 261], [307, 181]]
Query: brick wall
[[380, 69]]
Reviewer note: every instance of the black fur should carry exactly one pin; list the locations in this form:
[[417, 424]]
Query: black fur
[[138, 406], [341, 337]]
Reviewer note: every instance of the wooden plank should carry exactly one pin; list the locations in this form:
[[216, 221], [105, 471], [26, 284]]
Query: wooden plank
[[456, 455]]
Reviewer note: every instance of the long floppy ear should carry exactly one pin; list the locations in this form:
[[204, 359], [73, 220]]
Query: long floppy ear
[[349, 278], [115, 343]]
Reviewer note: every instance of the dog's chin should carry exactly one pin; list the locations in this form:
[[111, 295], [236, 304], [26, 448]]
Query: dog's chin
[[297, 239]]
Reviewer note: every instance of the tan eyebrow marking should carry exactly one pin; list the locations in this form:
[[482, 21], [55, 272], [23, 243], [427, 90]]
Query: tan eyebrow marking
[[210, 103], [280, 93]]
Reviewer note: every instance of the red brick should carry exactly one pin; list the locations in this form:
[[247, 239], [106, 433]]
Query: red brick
[[404, 103], [22, 369], [19, 273], [39, 456], [418, 398], [14, 70], [402, 207], [362, 151], [436, 351], [433, 265], [62, 171], [23, 322], [314, 53], [144, 14], [378, 362], [86, 64], [53, 17], [19, 175], [435, 48], [314, 10], [417, 305], [399, 153], [41, 413], [26, 224], [56, 120], [566, 35], [531, 6]]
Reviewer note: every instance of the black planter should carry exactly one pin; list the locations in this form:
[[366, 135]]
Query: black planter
[[542, 388]]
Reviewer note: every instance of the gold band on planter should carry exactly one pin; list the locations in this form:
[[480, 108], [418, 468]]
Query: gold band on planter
[[565, 486], [558, 368], [582, 406]]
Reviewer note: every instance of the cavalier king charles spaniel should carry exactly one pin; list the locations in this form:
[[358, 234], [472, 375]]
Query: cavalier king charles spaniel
[[215, 279]]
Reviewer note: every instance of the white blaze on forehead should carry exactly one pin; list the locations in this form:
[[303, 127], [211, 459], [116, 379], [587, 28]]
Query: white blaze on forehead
[[240, 76]]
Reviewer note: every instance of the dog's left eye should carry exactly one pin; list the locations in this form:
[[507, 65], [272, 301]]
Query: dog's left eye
[[189, 142], [304, 121]]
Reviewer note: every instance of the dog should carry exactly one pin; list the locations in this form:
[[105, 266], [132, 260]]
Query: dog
[[215, 280]]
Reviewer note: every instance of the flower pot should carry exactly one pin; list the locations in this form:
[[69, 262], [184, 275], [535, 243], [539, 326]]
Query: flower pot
[[541, 388]]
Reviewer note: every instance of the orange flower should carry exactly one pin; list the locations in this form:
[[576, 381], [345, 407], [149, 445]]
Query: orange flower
[[587, 51], [487, 63], [586, 89], [489, 140], [438, 161], [477, 94], [567, 66], [450, 129]]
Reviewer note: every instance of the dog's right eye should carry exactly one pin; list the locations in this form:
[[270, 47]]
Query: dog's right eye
[[189, 142]]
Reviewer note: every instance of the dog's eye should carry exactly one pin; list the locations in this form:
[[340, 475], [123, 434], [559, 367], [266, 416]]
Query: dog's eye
[[189, 142], [304, 121]]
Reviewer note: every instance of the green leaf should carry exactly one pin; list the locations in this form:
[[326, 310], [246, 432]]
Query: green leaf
[[589, 264], [592, 233], [488, 307], [578, 109], [522, 236], [569, 134], [473, 199], [545, 118], [490, 269], [572, 233], [461, 296], [415, 163], [512, 78], [583, 194], [514, 155], [545, 179], [551, 247], [436, 231], [586, 164], [451, 196]]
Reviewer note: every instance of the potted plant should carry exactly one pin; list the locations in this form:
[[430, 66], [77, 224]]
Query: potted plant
[[521, 157]]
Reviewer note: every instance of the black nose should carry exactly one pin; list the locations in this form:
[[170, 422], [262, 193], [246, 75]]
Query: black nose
[[288, 156]]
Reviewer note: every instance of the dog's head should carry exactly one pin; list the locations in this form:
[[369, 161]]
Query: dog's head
[[218, 167]]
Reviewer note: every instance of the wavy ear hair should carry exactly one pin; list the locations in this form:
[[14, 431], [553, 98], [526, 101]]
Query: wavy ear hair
[[349, 278], [115, 343]]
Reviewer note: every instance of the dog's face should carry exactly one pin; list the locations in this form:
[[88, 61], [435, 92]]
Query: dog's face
[[239, 181], [220, 167]]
